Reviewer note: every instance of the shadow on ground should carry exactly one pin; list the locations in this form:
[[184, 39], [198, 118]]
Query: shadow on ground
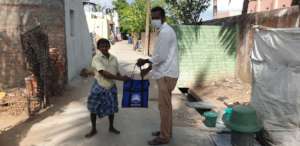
[[14, 136]]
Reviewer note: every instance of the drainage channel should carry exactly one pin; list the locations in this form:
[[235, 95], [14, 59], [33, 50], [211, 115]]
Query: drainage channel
[[192, 99], [259, 141]]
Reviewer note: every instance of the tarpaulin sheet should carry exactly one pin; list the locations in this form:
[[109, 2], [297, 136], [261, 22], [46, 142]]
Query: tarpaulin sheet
[[276, 83]]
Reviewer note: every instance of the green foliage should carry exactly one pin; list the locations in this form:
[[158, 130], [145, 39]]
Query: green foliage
[[187, 11], [120, 5], [132, 16], [161, 3]]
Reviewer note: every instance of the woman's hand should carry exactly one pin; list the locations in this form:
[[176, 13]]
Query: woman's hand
[[124, 78]]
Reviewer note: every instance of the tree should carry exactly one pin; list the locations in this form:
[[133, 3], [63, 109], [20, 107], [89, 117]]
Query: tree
[[295, 2], [245, 7], [156, 3], [120, 5], [187, 11], [132, 16]]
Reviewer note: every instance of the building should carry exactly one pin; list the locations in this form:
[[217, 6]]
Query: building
[[267, 5], [95, 19], [63, 22], [228, 8], [98, 19], [79, 43]]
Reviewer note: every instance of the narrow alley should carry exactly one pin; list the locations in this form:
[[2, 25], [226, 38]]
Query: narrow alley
[[65, 124]]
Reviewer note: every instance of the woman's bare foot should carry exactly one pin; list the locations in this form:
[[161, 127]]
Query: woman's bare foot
[[91, 134], [113, 130]]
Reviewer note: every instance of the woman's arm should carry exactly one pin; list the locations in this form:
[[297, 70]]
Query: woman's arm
[[113, 77]]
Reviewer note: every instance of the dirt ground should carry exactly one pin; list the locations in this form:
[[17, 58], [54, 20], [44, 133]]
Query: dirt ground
[[219, 93], [13, 109], [18, 129], [224, 92], [69, 112]]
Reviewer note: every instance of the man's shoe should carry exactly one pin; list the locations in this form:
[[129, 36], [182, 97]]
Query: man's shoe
[[158, 141], [156, 133]]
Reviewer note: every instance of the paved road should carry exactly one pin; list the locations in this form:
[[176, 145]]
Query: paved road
[[66, 124]]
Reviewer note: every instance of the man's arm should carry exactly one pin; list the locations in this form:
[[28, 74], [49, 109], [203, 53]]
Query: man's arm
[[161, 51]]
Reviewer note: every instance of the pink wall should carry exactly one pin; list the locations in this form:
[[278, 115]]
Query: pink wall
[[284, 3], [267, 5], [222, 14], [252, 7]]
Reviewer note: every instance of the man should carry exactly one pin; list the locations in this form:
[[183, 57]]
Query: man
[[165, 69]]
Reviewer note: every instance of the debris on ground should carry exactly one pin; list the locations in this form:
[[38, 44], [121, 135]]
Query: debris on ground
[[222, 98], [200, 105], [2, 101], [223, 93], [13, 108], [2, 95], [16, 102], [225, 140]]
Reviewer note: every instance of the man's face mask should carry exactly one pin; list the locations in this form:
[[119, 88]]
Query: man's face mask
[[156, 23]]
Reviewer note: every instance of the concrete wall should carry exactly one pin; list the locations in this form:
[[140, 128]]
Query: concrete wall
[[204, 54], [78, 40], [282, 18], [17, 16]]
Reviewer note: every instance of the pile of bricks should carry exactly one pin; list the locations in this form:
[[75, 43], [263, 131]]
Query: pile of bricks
[[58, 71], [46, 65], [31, 85]]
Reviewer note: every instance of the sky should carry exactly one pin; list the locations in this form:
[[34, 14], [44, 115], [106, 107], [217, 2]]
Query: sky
[[223, 5]]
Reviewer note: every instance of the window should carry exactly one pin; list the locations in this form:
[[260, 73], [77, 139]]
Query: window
[[72, 22]]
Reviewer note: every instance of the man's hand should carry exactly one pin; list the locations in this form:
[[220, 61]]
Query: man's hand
[[144, 72], [141, 62]]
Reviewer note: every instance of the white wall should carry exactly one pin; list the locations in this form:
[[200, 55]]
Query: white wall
[[79, 43], [230, 5]]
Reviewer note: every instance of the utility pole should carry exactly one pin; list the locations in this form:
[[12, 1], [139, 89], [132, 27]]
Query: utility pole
[[215, 8], [147, 29]]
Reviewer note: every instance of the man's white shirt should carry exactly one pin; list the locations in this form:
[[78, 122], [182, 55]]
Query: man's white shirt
[[165, 56]]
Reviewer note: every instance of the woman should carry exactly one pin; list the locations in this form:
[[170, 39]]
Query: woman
[[102, 100]]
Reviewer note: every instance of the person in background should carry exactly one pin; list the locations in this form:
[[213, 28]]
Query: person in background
[[103, 100]]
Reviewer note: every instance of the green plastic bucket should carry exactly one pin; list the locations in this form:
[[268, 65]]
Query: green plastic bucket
[[228, 113], [210, 119]]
